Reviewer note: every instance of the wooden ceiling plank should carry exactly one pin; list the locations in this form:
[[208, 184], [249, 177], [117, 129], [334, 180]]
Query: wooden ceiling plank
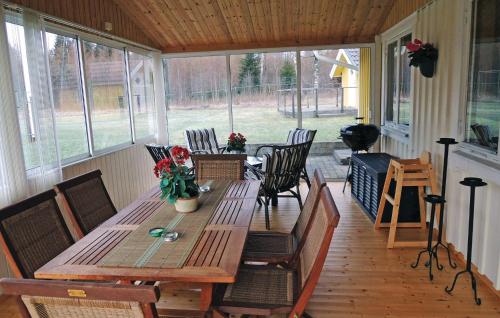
[[386, 7], [226, 16], [173, 23], [346, 17], [322, 24], [182, 11], [263, 21], [256, 21], [245, 10], [214, 20], [145, 22], [363, 9], [273, 9], [335, 22], [237, 18], [204, 12]]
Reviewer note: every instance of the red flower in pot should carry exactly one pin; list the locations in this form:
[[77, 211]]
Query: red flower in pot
[[423, 56]]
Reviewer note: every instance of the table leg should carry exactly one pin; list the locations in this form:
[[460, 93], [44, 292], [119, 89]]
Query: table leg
[[206, 297]]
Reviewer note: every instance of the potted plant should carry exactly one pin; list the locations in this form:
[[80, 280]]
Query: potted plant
[[177, 185], [423, 56], [236, 143]]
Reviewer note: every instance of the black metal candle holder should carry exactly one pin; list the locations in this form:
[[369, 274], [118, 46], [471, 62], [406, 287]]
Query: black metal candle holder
[[446, 142], [472, 183], [434, 200]]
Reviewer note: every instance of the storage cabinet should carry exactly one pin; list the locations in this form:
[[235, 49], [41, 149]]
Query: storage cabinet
[[368, 176]]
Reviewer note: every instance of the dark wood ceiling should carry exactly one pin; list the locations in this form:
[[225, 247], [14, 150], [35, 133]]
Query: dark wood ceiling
[[205, 25]]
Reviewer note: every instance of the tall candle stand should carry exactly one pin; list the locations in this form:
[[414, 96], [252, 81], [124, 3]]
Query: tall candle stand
[[446, 142], [472, 183]]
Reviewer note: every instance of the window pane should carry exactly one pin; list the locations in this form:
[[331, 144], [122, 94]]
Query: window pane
[[22, 90], [143, 104], [404, 82], [264, 96], [197, 96], [67, 94], [108, 102], [330, 91], [483, 111], [391, 94]]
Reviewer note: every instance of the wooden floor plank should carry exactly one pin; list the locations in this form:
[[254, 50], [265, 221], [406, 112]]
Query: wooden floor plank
[[362, 278]]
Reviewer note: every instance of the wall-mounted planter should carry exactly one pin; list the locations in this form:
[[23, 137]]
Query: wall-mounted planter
[[423, 56], [427, 68]]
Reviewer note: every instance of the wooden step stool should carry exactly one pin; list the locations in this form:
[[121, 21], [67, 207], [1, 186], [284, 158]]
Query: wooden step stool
[[407, 173]]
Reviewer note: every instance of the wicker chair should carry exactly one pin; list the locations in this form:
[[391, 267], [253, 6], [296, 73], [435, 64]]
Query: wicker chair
[[87, 201], [219, 167], [299, 136], [284, 248], [64, 299], [265, 290], [158, 152], [281, 170], [203, 141], [33, 232]]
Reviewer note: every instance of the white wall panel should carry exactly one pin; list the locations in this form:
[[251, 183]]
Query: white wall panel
[[437, 113]]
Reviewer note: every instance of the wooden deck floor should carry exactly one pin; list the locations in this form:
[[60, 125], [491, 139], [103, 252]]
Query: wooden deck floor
[[362, 278]]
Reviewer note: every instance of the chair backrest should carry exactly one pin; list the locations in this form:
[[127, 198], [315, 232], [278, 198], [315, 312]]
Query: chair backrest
[[307, 214], [33, 232], [300, 136], [158, 152], [282, 167], [219, 167], [87, 200], [202, 141], [313, 254], [65, 299]]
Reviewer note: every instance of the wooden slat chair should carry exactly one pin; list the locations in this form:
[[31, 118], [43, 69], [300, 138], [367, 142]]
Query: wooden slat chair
[[63, 299], [284, 248], [33, 232], [281, 171], [203, 141], [219, 167], [299, 136], [265, 290], [87, 201], [158, 152]]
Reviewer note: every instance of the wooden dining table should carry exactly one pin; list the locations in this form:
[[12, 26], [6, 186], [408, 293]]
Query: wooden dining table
[[208, 250]]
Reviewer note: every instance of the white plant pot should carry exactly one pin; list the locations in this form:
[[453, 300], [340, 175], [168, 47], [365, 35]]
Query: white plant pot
[[186, 205]]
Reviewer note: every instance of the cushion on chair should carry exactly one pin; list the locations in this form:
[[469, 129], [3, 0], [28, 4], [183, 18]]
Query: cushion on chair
[[202, 140], [299, 136], [259, 286], [269, 247]]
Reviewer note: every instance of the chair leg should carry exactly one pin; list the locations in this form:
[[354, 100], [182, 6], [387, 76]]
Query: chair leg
[[305, 176], [299, 198], [274, 200], [266, 210], [259, 201]]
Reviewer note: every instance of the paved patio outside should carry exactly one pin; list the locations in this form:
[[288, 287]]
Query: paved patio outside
[[332, 170]]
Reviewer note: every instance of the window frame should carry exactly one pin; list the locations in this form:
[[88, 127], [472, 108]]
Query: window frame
[[80, 36], [466, 148], [297, 50], [393, 129]]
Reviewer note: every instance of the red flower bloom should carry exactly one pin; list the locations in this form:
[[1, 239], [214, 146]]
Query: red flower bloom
[[163, 165], [180, 154], [414, 46]]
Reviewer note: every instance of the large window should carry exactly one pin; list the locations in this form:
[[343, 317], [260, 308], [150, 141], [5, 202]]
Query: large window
[[22, 90], [98, 92], [197, 96], [67, 95], [397, 83], [142, 94], [483, 102], [330, 91], [107, 90], [264, 95], [264, 102]]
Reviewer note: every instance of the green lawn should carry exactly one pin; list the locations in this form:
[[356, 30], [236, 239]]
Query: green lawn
[[258, 124]]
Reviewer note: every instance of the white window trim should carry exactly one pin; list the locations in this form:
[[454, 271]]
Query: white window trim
[[391, 129], [467, 149]]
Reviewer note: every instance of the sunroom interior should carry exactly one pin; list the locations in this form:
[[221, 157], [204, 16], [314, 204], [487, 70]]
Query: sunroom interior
[[87, 84]]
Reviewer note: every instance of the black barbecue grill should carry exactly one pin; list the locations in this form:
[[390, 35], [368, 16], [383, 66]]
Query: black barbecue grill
[[358, 137]]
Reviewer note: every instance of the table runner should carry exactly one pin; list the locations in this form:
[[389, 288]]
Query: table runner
[[139, 249]]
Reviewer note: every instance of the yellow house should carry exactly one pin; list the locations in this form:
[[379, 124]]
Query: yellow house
[[347, 68]]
